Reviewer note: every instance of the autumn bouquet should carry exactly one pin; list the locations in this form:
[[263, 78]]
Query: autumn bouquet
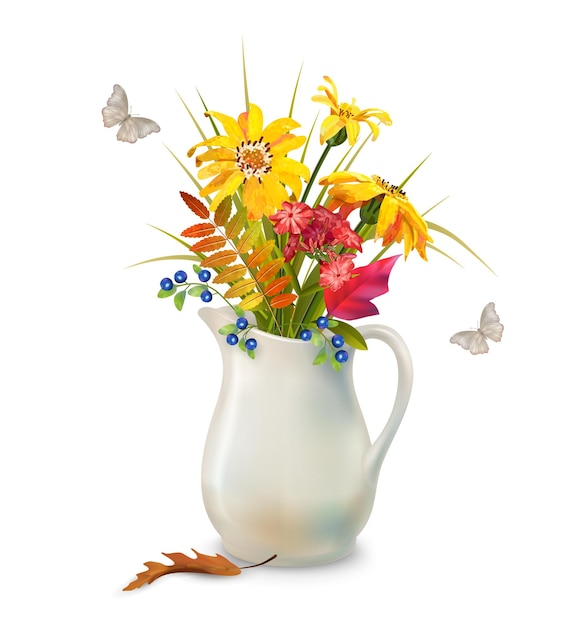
[[284, 242]]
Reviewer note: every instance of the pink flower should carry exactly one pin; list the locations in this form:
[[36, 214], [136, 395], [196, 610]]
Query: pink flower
[[293, 218], [336, 273], [290, 248], [346, 236], [325, 219]]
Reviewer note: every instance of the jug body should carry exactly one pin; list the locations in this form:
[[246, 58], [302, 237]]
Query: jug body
[[286, 467]]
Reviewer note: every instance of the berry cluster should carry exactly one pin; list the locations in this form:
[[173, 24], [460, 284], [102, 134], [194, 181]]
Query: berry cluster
[[232, 332], [237, 333], [336, 341], [180, 277]]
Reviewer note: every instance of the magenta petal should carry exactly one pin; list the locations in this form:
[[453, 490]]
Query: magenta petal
[[353, 300]]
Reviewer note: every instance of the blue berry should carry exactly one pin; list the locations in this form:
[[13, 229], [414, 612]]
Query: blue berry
[[322, 322], [337, 341], [166, 284], [251, 344], [242, 323], [231, 339], [180, 277], [306, 335], [206, 296], [204, 275], [342, 356]]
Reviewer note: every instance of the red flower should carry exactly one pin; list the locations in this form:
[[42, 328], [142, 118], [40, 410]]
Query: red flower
[[345, 235], [293, 218], [336, 273]]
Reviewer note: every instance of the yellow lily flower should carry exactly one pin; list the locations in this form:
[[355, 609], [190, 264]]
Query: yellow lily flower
[[255, 156], [398, 220], [346, 115]]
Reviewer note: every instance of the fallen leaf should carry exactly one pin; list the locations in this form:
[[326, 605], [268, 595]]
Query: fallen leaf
[[202, 564]]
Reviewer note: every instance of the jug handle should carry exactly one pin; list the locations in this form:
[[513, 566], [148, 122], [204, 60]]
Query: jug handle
[[375, 454]]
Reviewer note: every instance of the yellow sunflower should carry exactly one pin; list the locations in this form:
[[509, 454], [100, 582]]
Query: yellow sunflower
[[346, 115], [255, 156], [398, 220]]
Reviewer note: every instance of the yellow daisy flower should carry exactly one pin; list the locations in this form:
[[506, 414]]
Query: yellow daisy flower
[[398, 220], [255, 156], [346, 115]]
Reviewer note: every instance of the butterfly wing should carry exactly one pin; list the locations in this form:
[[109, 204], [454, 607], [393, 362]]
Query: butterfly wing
[[134, 128], [471, 340], [489, 326], [116, 109]]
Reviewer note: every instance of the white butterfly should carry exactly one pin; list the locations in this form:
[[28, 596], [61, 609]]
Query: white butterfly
[[476, 340], [131, 128]]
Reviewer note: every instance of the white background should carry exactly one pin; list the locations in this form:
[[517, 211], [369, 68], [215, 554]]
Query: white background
[[107, 391]]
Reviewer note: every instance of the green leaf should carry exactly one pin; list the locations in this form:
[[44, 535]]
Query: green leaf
[[196, 291], [317, 338], [321, 357], [197, 269], [446, 232], [336, 366], [179, 299], [351, 336], [246, 85], [174, 257], [227, 329], [165, 294], [185, 169], [293, 99], [193, 118], [405, 181], [308, 291], [251, 354]]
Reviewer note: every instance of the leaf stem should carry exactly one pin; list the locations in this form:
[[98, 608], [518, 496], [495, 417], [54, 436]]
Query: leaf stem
[[263, 563]]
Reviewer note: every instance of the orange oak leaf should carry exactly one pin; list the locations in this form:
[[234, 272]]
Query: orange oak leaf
[[202, 564]]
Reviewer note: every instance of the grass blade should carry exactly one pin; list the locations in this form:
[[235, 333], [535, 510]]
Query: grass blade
[[444, 231]]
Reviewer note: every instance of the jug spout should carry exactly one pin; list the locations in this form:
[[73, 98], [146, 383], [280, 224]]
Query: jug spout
[[216, 317]]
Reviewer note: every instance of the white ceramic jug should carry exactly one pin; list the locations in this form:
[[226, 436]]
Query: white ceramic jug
[[288, 467]]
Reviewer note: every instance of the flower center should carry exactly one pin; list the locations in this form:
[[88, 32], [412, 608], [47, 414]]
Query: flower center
[[347, 111], [392, 189], [254, 158]]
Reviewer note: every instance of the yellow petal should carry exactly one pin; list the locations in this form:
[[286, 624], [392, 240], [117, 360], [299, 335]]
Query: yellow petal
[[352, 131], [292, 181], [215, 154], [220, 140], [215, 168], [219, 181], [408, 241], [229, 187], [254, 123], [331, 92], [387, 216], [275, 193], [323, 100], [382, 116], [345, 177], [279, 127], [330, 126], [233, 130], [358, 192], [285, 164], [287, 144], [374, 129]]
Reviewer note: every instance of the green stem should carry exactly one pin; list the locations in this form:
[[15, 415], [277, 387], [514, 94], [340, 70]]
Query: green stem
[[315, 172]]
